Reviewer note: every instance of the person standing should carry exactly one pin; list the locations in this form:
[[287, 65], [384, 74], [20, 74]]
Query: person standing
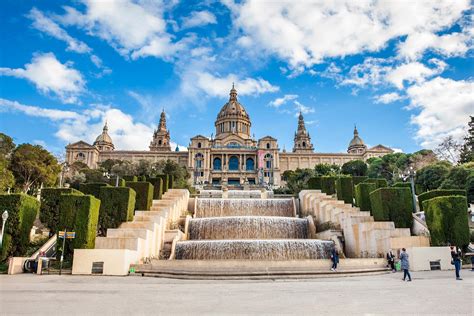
[[405, 264], [334, 259], [391, 260], [456, 260]]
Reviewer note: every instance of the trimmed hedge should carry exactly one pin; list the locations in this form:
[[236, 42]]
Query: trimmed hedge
[[22, 210], [113, 181], [436, 193], [328, 185], [380, 182], [144, 194], [157, 187], [362, 195], [358, 179], [141, 179], [170, 181], [117, 205], [392, 204], [130, 178], [402, 185], [165, 179], [344, 189], [92, 188], [446, 217], [79, 213], [49, 210], [314, 183]]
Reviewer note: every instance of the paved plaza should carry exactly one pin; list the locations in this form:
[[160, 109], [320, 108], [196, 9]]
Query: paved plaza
[[434, 292]]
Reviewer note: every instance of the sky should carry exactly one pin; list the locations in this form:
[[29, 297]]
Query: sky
[[401, 70]]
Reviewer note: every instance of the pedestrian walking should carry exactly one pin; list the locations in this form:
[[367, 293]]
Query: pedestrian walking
[[456, 260], [405, 264], [334, 259], [391, 260]]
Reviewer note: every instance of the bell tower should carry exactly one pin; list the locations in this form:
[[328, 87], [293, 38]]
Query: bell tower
[[302, 141], [161, 136]]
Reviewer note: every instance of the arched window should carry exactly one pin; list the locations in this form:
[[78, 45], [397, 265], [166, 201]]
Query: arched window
[[304, 144], [268, 161], [80, 156], [159, 142], [199, 145], [198, 160], [249, 164], [268, 145], [233, 163], [217, 164]]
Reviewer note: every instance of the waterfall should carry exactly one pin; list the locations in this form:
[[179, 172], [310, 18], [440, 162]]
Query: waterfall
[[244, 207]]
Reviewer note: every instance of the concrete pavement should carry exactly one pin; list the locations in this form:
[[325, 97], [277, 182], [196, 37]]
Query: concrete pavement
[[434, 292]]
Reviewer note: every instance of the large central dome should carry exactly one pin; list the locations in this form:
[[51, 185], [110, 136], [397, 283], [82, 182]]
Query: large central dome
[[233, 118]]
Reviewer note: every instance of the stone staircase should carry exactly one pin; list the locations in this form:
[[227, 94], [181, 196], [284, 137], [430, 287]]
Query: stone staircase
[[148, 236], [363, 237]]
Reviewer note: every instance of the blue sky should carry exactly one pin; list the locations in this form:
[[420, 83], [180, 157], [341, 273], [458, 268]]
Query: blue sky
[[402, 72]]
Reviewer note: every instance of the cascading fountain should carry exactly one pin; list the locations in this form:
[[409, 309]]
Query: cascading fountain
[[249, 229]]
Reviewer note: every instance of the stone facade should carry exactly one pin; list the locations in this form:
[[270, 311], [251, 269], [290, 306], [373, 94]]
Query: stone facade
[[232, 156]]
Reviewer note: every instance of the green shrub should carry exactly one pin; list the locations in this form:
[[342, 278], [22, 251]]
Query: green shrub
[[402, 185], [380, 182], [435, 193], [144, 197], [117, 205], [314, 183], [113, 181], [130, 178], [358, 179], [157, 187], [392, 204], [328, 185], [446, 217], [170, 181], [49, 211], [165, 179], [92, 188], [79, 213], [141, 179], [344, 189], [22, 210], [362, 195]]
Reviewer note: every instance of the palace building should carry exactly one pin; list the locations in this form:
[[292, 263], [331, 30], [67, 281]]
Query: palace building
[[232, 156]]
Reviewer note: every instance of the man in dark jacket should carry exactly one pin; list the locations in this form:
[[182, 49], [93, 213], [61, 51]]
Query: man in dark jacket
[[334, 259], [391, 260], [456, 260]]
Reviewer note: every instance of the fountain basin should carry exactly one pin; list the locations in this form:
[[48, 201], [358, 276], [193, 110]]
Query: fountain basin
[[248, 227], [208, 207], [282, 249]]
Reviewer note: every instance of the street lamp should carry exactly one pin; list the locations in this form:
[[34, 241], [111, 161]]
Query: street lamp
[[4, 220], [109, 175], [64, 169]]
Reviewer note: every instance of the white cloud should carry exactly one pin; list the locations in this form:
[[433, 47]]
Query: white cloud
[[302, 108], [309, 32], [387, 98], [283, 100], [73, 126], [219, 86], [454, 44], [51, 76], [414, 72], [444, 107], [199, 18], [48, 26], [135, 29]]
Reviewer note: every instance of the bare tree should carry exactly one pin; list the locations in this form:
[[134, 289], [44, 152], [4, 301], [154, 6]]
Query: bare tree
[[449, 149]]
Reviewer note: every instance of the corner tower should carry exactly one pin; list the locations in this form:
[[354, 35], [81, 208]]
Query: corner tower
[[161, 136], [302, 141], [233, 119]]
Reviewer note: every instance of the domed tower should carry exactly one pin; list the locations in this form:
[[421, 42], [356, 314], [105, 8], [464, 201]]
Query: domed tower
[[233, 119], [103, 142], [302, 141], [356, 146], [161, 136]]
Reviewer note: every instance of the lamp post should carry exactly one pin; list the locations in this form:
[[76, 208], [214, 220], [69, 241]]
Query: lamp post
[[411, 174], [4, 220], [64, 169], [110, 175]]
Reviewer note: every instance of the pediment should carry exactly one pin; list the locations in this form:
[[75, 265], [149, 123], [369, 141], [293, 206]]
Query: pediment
[[381, 148], [79, 145]]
